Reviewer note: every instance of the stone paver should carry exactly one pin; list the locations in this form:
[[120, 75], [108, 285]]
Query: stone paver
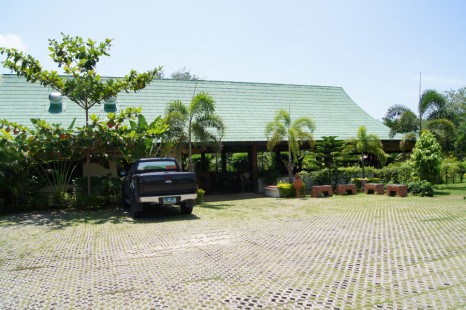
[[347, 252]]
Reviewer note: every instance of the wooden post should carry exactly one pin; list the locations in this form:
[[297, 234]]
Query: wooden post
[[253, 170], [224, 161], [202, 162]]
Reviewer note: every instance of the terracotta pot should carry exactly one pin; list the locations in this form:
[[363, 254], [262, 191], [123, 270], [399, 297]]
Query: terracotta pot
[[298, 184]]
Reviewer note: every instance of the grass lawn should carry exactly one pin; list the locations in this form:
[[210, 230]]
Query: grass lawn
[[455, 189], [245, 252]]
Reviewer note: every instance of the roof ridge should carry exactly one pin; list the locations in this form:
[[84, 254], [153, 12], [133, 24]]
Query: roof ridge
[[214, 81]]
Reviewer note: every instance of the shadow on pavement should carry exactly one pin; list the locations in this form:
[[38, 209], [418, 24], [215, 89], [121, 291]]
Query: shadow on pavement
[[164, 214], [66, 218], [230, 197]]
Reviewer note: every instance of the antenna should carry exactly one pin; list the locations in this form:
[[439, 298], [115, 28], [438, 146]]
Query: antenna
[[195, 86], [419, 105], [420, 75]]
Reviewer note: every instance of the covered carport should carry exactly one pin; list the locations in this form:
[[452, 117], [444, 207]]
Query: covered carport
[[245, 108]]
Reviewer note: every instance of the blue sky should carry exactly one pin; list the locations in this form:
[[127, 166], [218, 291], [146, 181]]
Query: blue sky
[[375, 50]]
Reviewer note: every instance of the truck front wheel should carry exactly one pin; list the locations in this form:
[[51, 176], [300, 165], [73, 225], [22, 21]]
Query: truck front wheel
[[187, 206]]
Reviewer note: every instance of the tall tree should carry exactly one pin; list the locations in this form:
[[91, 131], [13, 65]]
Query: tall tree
[[184, 74], [456, 107], [196, 122], [460, 142], [282, 128], [456, 104], [365, 144], [81, 84]]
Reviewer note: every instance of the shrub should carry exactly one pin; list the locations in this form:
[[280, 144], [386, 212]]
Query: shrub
[[286, 190], [451, 169], [357, 181], [396, 173], [106, 192], [348, 173], [320, 177], [201, 165], [238, 162], [426, 158], [371, 171], [270, 176], [200, 196], [421, 188]]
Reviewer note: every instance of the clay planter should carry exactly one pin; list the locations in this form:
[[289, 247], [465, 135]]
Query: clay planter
[[298, 185], [271, 191]]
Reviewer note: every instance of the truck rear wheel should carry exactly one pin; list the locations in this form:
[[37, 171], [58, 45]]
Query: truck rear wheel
[[135, 208], [187, 206], [134, 214]]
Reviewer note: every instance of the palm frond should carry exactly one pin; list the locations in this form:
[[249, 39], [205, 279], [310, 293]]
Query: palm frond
[[275, 139], [202, 104], [431, 102], [304, 122], [396, 111], [275, 128], [283, 116]]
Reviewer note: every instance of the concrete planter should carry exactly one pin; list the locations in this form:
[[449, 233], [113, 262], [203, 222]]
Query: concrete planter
[[271, 191]]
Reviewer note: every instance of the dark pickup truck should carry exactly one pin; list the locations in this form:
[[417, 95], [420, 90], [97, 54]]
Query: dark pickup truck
[[158, 181]]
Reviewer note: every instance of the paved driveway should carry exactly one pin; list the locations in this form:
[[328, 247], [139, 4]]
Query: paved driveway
[[339, 252]]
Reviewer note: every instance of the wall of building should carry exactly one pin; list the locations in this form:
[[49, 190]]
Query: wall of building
[[97, 170]]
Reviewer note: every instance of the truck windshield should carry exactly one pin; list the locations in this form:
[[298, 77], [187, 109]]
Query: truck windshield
[[155, 166]]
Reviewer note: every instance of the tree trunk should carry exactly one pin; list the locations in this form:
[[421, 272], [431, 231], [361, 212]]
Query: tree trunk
[[362, 162], [88, 159], [190, 160], [289, 165]]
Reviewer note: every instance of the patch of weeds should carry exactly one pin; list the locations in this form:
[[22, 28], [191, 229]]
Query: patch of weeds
[[218, 278], [128, 290], [29, 268], [441, 219]]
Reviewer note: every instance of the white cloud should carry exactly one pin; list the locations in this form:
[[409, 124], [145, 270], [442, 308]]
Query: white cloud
[[12, 41]]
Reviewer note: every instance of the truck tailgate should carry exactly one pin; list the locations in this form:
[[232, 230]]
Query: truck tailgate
[[166, 183]]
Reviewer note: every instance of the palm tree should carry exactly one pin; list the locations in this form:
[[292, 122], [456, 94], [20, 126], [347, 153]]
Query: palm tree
[[400, 119], [368, 143], [283, 129], [196, 121], [434, 113], [431, 104]]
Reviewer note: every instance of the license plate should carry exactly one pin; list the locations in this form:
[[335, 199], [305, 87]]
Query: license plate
[[169, 200]]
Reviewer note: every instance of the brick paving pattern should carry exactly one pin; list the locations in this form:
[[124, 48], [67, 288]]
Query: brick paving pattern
[[345, 252]]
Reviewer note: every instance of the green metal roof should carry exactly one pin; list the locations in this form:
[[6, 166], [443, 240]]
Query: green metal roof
[[246, 108]]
